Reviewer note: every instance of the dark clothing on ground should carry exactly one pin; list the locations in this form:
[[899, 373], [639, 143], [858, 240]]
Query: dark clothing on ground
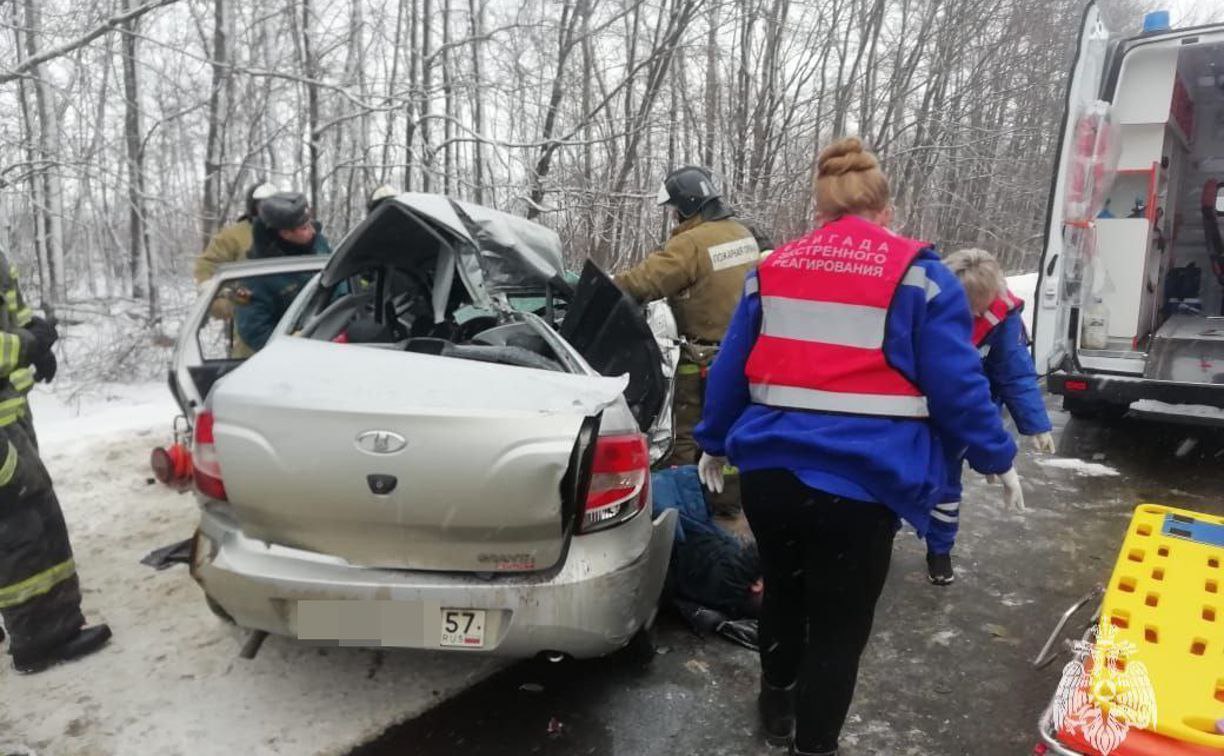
[[270, 296], [709, 566], [824, 559]]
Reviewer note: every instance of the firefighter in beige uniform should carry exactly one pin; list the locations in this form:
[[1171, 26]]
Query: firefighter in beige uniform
[[700, 271]]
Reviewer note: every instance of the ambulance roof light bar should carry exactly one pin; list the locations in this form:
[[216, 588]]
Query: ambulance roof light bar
[[1156, 22]]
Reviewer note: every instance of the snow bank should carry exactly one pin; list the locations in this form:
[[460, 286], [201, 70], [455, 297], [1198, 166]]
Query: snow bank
[[171, 681], [1078, 466], [70, 416], [1198, 411], [1025, 287]]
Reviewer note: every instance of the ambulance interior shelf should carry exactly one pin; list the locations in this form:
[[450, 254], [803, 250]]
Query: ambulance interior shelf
[[1130, 250]]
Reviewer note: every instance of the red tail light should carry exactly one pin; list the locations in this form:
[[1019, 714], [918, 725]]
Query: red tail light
[[171, 464], [620, 482], [204, 458], [1076, 385]]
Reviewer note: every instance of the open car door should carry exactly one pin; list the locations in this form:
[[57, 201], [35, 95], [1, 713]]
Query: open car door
[[205, 349], [609, 329], [1056, 297]]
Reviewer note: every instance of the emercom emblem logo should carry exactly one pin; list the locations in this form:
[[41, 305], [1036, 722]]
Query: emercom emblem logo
[[1104, 692]]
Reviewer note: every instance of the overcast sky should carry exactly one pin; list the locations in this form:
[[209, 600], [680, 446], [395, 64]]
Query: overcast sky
[[1193, 11]]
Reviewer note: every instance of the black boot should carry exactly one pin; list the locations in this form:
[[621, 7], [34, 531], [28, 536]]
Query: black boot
[[939, 569], [777, 708], [84, 643], [796, 752]]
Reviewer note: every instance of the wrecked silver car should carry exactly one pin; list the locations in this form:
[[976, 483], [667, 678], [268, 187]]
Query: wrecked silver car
[[445, 445]]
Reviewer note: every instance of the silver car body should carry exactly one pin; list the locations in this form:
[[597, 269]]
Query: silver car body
[[485, 461]]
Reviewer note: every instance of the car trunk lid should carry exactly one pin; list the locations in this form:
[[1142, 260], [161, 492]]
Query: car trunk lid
[[401, 460]]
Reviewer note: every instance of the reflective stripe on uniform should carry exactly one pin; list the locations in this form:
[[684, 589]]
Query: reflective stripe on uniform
[[943, 517], [983, 350], [916, 276], [22, 379], [949, 506], [688, 368], [10, 352], [823, 322], [10, 465], [31, 587], [11, 410], [23, 317], [837, 401], [751, 285]]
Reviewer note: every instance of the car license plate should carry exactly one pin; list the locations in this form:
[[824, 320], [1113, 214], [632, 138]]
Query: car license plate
[[463, 628]]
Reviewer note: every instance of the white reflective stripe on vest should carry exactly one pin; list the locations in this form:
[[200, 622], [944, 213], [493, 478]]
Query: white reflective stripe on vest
[[837, 401], [984, 350], [823, 322], [751, 285]]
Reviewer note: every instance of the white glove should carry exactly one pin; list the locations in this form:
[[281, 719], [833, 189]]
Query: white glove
[[1013, 495], [710, 472], [1043, 442]]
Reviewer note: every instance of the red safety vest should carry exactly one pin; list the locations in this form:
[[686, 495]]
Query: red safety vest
[[824, 302], [995, 314]]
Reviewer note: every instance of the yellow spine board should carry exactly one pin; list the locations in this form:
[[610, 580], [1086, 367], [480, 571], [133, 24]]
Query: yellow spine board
[[1165, 600]]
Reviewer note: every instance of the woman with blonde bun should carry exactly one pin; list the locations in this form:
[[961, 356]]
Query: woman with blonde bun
[[846, 364]]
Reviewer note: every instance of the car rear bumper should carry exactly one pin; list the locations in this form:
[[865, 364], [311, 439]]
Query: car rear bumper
[[1116, 389], [605, 591]]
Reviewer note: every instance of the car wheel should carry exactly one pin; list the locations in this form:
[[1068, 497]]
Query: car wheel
[[641, 649], [218, 610]]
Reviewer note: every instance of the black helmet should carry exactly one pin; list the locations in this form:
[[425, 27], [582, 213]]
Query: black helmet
[[284, 211], [256, 194], [688, 189]]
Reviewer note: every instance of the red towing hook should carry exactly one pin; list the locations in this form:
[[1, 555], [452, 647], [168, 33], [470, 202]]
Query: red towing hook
[[172, 464]]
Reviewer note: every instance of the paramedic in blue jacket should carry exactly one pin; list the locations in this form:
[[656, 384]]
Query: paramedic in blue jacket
[[1001, 340], [846, 361]]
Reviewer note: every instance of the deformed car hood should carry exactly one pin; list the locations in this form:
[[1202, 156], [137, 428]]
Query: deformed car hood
[[494, 252]]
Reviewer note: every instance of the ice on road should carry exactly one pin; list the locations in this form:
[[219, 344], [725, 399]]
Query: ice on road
[[171, 681], [1079, 467]]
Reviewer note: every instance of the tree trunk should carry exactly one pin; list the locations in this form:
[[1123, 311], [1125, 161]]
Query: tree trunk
[[414, 94], [137, 254], [48, 148], [214, 149], [711, 89], [448, 104], [426, 93], [476, 12], [312, 105], [29, 138]]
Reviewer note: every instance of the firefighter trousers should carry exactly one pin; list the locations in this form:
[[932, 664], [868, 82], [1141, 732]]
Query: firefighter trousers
[[687, 405], [40, 598]]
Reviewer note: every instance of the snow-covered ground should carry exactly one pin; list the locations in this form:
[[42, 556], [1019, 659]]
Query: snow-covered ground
[[1025, 287], [171, 681]]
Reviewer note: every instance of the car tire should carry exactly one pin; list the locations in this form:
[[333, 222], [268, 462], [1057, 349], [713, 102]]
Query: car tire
[[1089, 409], [642, 648], [218, 610]]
